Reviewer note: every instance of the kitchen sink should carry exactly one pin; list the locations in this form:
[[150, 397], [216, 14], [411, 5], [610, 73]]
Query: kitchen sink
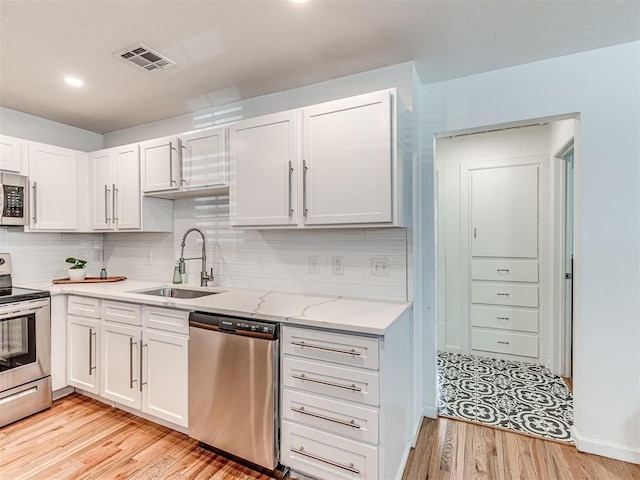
[[175, 292]]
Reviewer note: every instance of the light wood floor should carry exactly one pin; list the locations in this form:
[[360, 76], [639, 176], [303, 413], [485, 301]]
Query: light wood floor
[[81, 438], [454, 450]]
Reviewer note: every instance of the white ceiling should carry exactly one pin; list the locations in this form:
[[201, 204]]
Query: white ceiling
[[228, 50]]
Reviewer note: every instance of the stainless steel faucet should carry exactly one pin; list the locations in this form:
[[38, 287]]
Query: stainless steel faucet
[[204, 277]]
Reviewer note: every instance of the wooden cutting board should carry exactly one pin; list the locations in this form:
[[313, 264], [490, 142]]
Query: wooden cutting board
[[90, 280]]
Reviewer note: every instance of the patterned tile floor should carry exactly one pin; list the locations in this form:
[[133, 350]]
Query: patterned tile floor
[[519, 396]]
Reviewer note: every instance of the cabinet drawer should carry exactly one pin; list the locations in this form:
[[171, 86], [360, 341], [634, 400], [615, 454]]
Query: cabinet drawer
[[524, 344], [166, 319], [326, 456], [353, 421], [83, 306], [354, 350], [127, 313], [505, 270], [332, 380], [505, 294], [525, 320]]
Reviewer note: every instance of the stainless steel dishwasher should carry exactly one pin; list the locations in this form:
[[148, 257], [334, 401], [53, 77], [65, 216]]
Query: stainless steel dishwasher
[[233, 387]]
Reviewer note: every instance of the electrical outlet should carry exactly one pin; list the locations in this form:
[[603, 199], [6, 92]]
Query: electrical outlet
[[97, 256], [337, 266], [380, 267], [314, 264], [149, 255]]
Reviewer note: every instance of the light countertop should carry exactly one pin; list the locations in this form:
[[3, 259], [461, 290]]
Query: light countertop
[[339, 313]]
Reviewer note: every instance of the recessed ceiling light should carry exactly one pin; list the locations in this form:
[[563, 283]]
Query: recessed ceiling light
[[74, 82]]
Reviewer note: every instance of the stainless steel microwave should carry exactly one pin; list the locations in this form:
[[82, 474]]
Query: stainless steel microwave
[[13, 199]]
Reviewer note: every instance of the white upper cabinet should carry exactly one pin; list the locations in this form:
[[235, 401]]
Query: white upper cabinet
[[53, 183], [10, 153], [160, 168], [347, 157], [116, 188], [204, 159], [264, 159], [348, 161], [504, 212], [116, 197], [185, 165]]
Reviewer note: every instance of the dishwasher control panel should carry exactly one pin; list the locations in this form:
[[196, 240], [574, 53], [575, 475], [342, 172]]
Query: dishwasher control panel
[[241, 325], [234, 325]]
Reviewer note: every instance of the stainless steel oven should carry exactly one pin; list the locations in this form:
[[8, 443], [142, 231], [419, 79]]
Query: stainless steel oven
[[25, 350]]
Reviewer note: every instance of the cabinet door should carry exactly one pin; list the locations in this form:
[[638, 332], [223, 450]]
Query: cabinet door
[[10, 153], [126, 193], [504, 212], [52, 175], [120, 364], [165, 376], [160, 168], [101, 166], [264, 156], [83, 346], [204, 159], [347, 152]]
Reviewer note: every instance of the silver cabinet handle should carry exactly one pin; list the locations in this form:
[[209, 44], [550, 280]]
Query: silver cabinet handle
[[317, 415], [106, 204], [503, 270], [114, 204], [351, 387], [131, 380], [502, 294], [475, 232], [328, 349], [503, 343], [91, 366], [171, 150], [182, 180], [35, 202], [348, 468], [141, 383], [305, 210], [290, 175], [502, 318]]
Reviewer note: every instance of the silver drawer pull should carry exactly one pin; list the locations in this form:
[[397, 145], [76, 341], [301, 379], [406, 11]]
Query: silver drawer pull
[[503, 270], [316, 415], [503, 343], [502, 318], [502, 294], [351, 387], [348, 468], [328, 349]]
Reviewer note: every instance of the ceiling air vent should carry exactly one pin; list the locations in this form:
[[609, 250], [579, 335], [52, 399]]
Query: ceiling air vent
[[144, 57]]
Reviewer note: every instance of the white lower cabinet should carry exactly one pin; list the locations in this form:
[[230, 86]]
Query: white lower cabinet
[[345, 403], [83, 344], [165, 376], [116, 355]]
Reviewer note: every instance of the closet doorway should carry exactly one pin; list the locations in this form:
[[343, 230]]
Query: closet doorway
[[504, 219]]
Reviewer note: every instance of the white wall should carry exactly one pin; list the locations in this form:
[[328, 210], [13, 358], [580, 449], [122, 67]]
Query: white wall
[[21, 125], [604, 87], [394, 76]]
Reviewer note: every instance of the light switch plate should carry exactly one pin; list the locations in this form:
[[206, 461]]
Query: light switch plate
[[314, 264], [337, 265]]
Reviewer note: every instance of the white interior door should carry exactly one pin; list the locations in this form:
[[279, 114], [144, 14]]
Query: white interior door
[[504, 212]]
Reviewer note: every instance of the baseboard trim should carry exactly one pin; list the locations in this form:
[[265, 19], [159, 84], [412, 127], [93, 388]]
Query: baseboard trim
[[403, 463], [62, 392], [430, 411], [606, 449]]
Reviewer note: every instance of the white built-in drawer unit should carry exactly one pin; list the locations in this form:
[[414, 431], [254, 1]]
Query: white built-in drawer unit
[[176, 321], [511, 343], [83, 306], [356, 385], [505, 294], [504, 270], [507, 318], [326, 456], [354, 421], [119, 312], [353, 350]]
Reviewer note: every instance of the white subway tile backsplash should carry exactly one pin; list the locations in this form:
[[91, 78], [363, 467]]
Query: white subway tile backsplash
[[259, 259]]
